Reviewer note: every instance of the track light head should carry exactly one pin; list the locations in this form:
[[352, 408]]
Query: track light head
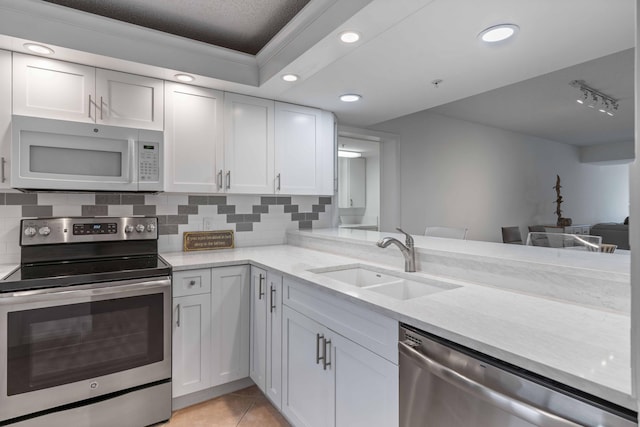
[[595, 99]]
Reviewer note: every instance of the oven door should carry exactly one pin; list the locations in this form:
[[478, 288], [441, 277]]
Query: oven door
[[66, 345]]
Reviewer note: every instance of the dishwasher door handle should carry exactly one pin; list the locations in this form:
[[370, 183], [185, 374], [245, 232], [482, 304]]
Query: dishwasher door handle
[[522, 410]]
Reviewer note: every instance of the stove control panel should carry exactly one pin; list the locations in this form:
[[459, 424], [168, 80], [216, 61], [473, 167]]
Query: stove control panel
[[45, 231]]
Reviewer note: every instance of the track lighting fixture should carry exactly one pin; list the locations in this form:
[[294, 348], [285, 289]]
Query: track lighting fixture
[[595, 99]]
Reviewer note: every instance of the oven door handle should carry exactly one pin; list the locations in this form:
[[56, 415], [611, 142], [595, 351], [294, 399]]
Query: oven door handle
[[87, 291], [529, 413]]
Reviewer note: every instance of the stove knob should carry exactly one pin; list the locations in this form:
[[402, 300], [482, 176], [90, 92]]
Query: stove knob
[[139, 228], [151, 228], [44, 231], [128, 228], [30, 231]]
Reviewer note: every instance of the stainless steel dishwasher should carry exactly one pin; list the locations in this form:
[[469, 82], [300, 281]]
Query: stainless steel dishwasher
[[443, 384]]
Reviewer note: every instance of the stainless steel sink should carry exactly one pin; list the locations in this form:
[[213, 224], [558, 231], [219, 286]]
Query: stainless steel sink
[[391, 284]]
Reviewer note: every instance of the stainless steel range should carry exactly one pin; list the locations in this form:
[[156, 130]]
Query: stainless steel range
[[85, 334]]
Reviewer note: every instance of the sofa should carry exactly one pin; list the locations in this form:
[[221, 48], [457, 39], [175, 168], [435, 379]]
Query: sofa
[[613, 233]]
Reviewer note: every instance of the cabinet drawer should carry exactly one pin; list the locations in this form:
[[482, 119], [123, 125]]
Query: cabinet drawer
[[371, 330], [191, 282]]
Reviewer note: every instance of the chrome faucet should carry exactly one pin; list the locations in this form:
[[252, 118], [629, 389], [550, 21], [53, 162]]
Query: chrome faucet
[[408, 250]]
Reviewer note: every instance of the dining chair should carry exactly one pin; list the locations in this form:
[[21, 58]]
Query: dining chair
[[448, 232], [511, 235]]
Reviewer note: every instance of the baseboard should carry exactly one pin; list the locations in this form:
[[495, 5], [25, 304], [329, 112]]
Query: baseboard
[[209, 393]]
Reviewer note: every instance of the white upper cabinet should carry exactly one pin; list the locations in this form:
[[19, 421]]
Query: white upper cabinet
[[5, 118], [249, 144], [193, 139], [305, 143], [129, 100], [53, 89]]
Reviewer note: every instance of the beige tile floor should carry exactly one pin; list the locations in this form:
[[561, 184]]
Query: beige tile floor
[[244, 408]]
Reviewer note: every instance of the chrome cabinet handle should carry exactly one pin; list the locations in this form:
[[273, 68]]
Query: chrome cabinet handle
[[101, 104], [260, 291], [271, 304], [318, 357], [325, 361], [89, 107], [219, 180], [178, 315], [532, 414], [3, 162], [228, 179], [278, 186]]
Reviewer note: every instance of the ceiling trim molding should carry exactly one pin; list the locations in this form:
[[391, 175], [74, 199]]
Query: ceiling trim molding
[[53, 24], [312, 24]]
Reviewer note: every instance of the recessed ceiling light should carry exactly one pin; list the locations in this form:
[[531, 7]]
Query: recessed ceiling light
[[349, 37], [349, 154], [184, 77], [38, 48], [350, 97], [498, 33], [290, 77]]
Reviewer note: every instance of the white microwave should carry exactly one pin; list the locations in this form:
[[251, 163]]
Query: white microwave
[[51, 154]]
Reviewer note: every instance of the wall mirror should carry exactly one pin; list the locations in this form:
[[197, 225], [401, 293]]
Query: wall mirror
[[491, 160]]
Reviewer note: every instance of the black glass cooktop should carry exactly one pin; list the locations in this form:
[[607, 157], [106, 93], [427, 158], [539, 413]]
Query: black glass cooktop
[[79, 272]]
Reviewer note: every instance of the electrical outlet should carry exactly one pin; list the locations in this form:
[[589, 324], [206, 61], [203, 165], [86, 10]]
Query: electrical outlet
[[207, 224]]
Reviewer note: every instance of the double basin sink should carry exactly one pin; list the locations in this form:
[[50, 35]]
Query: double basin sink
[[391, 284]]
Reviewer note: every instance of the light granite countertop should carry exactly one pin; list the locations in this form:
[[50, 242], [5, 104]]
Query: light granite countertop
[[583, 347]]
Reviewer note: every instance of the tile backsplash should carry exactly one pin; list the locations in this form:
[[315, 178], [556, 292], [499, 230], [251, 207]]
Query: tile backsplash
[[257, 220]]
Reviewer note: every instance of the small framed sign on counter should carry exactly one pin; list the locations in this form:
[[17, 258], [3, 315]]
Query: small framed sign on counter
[[207, 240]]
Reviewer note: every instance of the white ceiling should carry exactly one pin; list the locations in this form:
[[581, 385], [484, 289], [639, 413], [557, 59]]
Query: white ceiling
[[405, 45], [546, 106]]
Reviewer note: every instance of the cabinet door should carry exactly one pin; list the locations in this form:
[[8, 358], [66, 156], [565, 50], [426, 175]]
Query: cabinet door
[[5, 118], [274, 339], [366, 386], [258, 356], [307, 389], [52, 89], [352, 181], [357, 181], [193, 139], [191, 362], [230, 323], [129, 100], [300, 150], [248, 148]]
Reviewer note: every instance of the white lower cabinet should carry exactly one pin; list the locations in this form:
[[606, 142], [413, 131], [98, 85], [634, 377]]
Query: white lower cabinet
[[266, 333], [230, 323], [274, 339], [258, 350], [308, 393], [329, 380], [191, 362], [210, 328]]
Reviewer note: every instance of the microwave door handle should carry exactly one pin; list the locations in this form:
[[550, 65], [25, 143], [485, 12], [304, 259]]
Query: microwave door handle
[[133, 160], [527, 412]]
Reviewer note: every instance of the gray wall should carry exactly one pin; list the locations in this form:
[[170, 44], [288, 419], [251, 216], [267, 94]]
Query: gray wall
[[457, 173]]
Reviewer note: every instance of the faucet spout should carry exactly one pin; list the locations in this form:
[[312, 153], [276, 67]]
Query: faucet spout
[[407, 249]]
